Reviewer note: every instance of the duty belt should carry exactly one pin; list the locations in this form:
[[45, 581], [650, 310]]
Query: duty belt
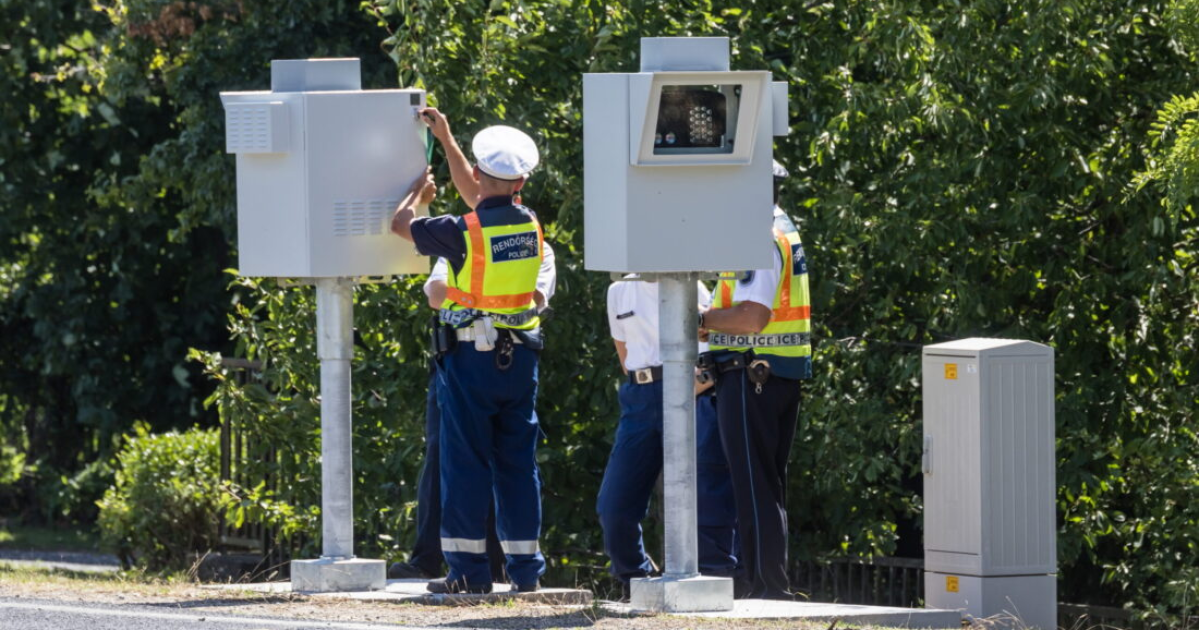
[[756, 368], [458, 318], [645, 376], [471, 334], [760, 341]]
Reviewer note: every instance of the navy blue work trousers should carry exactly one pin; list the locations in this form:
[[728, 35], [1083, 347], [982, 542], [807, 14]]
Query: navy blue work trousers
[[757, 429], [489, 434], [632, 472], [426, 552]]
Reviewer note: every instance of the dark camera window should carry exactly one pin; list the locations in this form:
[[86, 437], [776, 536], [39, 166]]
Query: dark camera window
[[693, 119]]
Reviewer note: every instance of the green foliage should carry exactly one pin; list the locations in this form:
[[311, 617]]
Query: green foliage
[[116, 218], [959, 169], [12, 464], [165, 503]]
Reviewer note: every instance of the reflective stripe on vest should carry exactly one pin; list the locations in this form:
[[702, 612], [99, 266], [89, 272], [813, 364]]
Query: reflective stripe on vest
[[725, 340], [481, 286], [786, 339], [464, 316]]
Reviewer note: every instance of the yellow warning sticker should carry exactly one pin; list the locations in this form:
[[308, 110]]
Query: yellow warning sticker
[[951, 584], [951, 371]]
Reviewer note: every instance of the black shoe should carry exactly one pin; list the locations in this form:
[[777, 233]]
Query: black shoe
[[626, 594], [407, 571], [441, 585], [526, 588]]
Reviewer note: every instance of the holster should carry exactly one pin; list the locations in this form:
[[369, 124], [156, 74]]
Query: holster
[[706, 362], [532, 339], [444, 339]]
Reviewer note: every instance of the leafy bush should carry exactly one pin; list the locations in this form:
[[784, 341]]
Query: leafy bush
[[166, 500], [12, 464], [960, 169]]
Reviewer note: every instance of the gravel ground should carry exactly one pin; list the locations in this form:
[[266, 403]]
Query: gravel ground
[[26, 585]]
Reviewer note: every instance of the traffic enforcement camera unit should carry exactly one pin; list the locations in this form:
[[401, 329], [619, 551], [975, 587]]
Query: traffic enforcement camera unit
[[990, 534], [321, 166], [677, 161]]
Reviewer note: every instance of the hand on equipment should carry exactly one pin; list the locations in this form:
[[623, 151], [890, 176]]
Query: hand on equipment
[[437, 122], [424, 188]]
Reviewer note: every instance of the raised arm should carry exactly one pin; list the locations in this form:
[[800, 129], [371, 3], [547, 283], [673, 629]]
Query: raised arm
[[461, 170], [420, 193]]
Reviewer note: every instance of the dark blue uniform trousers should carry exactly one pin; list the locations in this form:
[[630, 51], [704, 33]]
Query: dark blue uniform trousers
[[426, 552], [632, 472], [489, 435], [757, 430]]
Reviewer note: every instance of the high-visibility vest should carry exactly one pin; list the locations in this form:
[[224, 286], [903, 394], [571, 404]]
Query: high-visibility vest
[[786, 341], [499, 276]]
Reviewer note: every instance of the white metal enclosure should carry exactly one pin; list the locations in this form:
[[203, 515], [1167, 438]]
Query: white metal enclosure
[[321, 166]]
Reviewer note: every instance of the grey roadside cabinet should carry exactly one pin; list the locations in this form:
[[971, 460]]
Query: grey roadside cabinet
[[990, 530]]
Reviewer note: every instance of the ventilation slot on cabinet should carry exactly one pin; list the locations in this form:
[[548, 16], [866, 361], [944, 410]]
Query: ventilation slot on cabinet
[[256, 128], [362, 217]]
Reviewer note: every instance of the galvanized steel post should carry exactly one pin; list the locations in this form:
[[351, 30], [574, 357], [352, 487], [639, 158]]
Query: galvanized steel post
[[335, 347], [677, 329]]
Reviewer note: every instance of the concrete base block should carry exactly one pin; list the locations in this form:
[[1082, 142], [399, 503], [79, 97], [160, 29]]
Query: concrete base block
[[334, 576], [669, 594]]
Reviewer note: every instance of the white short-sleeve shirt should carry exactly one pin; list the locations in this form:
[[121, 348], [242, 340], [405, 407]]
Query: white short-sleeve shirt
[[761, 284], [633, 319]]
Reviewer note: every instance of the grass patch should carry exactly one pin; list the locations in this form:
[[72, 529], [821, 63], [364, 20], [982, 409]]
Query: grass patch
[[22, 537], [87, 581]]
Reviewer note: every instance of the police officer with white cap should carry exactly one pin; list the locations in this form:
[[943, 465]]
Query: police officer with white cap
[[426, 558], [759, 330], [488, 348]]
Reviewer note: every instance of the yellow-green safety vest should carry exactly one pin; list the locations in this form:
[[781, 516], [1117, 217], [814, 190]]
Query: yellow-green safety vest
[[786, 341], [499, 276]]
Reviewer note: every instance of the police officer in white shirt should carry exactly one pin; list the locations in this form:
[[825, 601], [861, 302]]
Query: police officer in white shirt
[[636, 459]]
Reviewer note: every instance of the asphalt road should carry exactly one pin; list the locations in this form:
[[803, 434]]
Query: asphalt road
[[25, 614]]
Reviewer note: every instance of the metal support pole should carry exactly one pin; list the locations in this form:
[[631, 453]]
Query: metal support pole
[[677, 315], [337, 570], [335, 347], [681, 588]]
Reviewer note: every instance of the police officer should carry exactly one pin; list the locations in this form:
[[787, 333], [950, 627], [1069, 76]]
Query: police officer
[[636, 458], [426, 558], [759, 330], [487, 374]]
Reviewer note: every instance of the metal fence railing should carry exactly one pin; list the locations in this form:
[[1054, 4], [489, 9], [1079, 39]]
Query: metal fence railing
[[875, 582], [243, 456]]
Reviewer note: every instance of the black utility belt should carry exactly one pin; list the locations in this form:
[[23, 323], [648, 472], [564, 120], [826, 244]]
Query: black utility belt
[[721, 362], [725, 361], [645, 376]]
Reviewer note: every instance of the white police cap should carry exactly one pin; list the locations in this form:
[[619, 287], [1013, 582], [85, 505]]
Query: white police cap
[[779, 171], [504, 152]]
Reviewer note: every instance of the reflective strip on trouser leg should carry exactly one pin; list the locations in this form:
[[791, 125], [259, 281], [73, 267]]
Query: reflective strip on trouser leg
[[520, 546], [464, 545]]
